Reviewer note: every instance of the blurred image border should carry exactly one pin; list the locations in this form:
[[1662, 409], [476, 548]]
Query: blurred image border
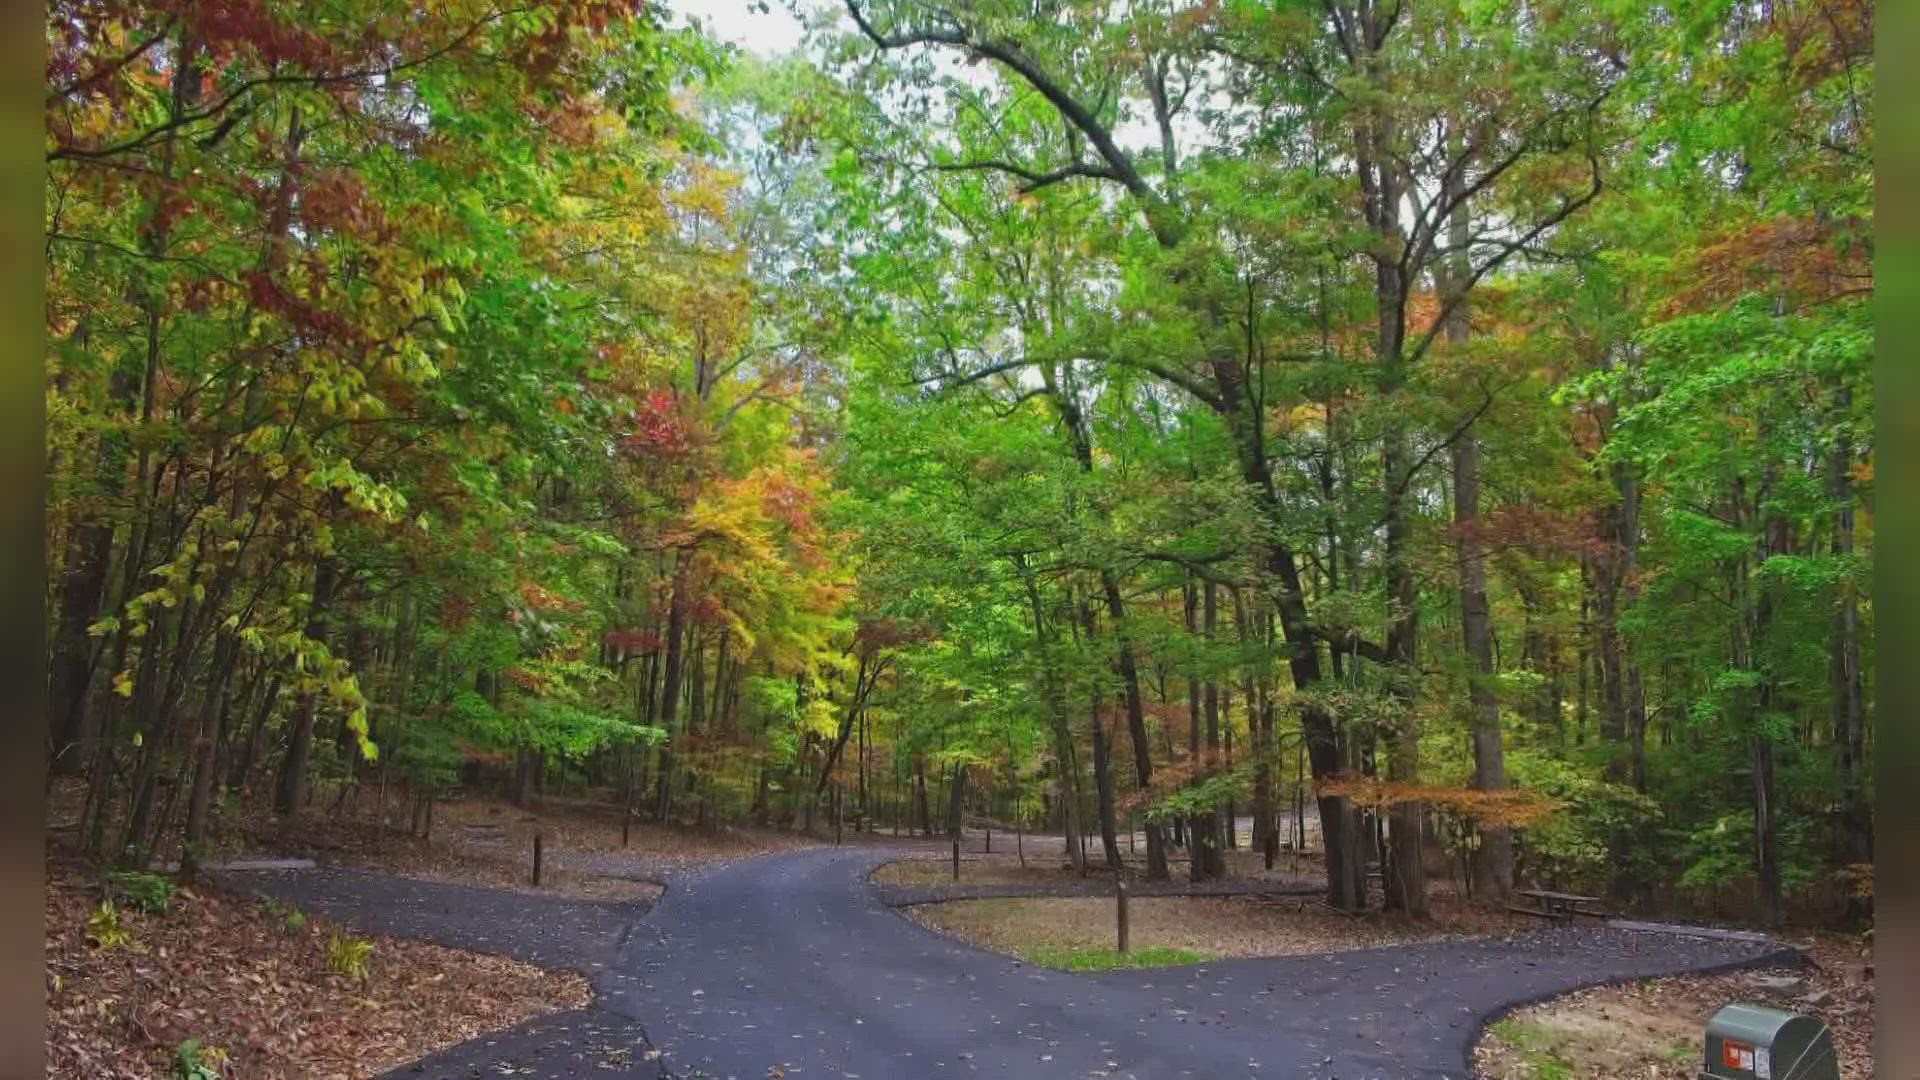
[[1897, 505], [23, 460]]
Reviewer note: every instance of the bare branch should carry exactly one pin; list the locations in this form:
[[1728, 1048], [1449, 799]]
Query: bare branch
[[1458, 296], [226, 101], [1464, 426], [1033, 181], [1009, 54], [1351, 641]]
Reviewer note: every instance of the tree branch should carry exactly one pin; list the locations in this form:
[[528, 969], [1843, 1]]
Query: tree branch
[[1466, 425], [1034, 181], [1009, 54], [1352, 641]]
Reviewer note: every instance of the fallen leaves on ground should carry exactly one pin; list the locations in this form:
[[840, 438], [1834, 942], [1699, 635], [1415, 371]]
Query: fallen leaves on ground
[[1033, 927], [488, 842], [1655, 1029], [975, 870], [239, 977]]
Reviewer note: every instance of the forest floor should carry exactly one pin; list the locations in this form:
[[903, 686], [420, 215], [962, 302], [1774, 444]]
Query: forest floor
[[255, 983], [1041, 859], [476, 839], [1076, 932], [253, 979], [1045, 863], [1654, 1029], [486, 841]]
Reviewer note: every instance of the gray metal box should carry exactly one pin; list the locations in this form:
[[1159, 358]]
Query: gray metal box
[[1753, 1042]]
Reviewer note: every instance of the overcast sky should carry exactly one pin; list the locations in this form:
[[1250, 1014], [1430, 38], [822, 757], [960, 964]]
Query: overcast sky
[[767, 35]]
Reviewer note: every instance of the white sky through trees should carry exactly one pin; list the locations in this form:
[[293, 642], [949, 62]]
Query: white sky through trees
[[736, 21]]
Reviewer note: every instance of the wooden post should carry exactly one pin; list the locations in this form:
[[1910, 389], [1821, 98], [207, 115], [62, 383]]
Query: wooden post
[[536, 860], [956, 858], [1120, 910]]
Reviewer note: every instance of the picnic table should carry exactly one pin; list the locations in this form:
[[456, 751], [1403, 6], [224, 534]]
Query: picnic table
[[1560, 906]]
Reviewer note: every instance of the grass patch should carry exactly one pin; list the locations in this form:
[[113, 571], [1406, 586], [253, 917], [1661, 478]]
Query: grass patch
[[1522, 1034], [1534, 1045], [1102, 959], [1682, 1051]]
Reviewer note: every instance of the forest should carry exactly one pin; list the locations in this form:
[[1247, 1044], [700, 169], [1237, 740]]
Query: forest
[[1446, 424]]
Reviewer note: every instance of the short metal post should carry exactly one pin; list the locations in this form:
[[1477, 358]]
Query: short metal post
[[1120, 910]]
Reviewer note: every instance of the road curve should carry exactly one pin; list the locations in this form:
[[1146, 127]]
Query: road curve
[[789, 966]]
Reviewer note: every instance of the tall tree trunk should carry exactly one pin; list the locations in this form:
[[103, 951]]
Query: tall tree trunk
[[670, 690], [697, 685], [956, 801], [1845, 681], [83, 587], [856, 702], [291, 791], [206, 740], [1492, 864], [1493, 859], [1136, 729], [1407, 890], [1075, 423], [920, 807], [1206, 861], [1771, 905], [1067, 772], [1619, 537], [1103, 787]]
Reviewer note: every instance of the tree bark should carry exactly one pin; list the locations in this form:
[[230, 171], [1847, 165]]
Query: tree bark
[[83, 587], [1770, 901], [1845, 681], [1137, 731], [1206, 861], [206, 739], [291, 792], [920, 796], [1612, 567], [1492, 861], [670, 690], [956, 796], [1066, 770]]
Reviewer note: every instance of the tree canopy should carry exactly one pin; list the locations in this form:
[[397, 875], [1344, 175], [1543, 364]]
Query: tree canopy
[[1452, 416]]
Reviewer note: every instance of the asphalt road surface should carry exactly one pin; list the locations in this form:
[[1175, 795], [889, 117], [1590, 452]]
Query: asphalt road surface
[[790, 966]]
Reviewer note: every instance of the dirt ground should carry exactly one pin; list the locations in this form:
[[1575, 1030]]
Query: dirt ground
[[1046, 862], [993, 869], [1654, 1030], [1032, 928], [254, 985], [485, 841], [476, 840]]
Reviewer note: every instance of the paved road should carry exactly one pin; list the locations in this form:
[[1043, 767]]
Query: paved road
[[788, 966]]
